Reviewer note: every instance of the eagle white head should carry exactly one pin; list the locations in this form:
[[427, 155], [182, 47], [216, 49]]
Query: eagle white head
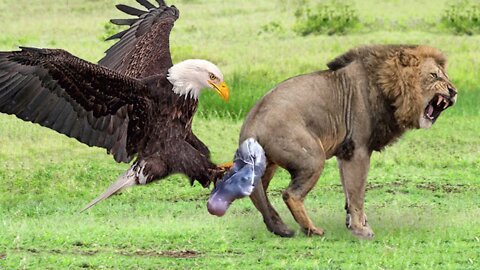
[[191, 76]]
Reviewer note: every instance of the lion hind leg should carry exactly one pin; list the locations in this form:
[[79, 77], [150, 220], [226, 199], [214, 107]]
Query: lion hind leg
[[304, 178], [294, 196]]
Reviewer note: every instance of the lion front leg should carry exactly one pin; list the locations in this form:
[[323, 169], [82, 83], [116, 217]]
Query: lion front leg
[[353, 174]]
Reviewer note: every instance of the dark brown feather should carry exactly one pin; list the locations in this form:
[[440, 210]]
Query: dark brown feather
[[130, 10], [123, 22], [62, 92], [143, 50], [146, 4], [117, 35]]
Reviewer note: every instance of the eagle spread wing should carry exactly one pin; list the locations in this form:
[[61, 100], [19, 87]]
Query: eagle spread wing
[[81, 100], [143, 49]]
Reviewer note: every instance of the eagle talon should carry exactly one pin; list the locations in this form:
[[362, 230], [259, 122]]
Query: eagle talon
[[218, 172], [225, 166]]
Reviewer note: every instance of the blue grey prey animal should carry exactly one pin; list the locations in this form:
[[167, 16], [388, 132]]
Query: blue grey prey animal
[[248, 167]]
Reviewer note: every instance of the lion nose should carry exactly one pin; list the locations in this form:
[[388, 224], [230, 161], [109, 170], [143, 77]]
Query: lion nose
[[452, 92]]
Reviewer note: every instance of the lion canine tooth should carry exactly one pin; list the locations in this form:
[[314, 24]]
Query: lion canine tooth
[[440, 99], [446, 105]]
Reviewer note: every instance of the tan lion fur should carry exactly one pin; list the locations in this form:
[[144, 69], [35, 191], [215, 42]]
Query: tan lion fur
[[366, 100]]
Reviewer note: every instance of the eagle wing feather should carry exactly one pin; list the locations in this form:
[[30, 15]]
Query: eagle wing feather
[[143, 49], [81, 100]]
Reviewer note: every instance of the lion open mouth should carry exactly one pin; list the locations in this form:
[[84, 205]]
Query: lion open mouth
[[436, 106]]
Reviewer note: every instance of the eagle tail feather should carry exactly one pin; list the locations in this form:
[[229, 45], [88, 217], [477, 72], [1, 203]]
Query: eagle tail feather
[[126, 180]]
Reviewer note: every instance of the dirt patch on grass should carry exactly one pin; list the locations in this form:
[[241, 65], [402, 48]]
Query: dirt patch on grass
[[137, 253], [389, 185], [396, 187], [3, 256], [446, 188], [168, 253], [434, 187], [59, 251], [194, 198]]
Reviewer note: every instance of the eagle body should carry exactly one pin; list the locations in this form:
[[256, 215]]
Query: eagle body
[[171, 134], [135, 103]]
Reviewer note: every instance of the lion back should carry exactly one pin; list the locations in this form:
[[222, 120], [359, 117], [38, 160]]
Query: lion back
[[377, 51]]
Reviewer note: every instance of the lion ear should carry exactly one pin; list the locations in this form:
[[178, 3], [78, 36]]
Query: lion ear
[[407, 59]]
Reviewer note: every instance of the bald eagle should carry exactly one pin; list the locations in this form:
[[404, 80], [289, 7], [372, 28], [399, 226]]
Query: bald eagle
[[134, 103]]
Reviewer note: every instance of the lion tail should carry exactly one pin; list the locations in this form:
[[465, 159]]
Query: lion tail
[[248, 168]]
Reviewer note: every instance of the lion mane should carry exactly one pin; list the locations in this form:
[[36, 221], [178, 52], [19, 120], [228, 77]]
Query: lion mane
[[395, 69]]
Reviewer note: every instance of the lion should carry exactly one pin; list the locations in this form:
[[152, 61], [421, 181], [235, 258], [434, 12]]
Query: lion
[[365, 101]]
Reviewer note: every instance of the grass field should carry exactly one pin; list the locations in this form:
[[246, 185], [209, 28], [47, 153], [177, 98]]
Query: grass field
[[423, 195]]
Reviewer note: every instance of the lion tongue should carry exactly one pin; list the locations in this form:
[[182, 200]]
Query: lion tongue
[[430, 111]]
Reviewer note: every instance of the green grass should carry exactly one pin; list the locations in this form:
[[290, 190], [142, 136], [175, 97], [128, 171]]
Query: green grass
[[423, 194]]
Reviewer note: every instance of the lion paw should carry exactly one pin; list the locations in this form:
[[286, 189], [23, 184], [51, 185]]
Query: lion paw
[[359, 229], [313, 231], [280, 229], [283, 232], [365, 232]]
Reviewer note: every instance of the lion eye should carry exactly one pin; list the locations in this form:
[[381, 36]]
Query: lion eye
[[212, 77], [434, 75]]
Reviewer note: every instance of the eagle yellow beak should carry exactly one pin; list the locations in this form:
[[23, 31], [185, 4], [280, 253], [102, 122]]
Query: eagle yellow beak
[[221, 89]]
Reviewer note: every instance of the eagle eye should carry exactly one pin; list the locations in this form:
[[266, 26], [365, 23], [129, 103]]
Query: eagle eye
[[212, 77]]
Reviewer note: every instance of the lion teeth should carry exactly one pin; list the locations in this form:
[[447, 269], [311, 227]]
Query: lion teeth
[[445, 106], [440, 100]]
